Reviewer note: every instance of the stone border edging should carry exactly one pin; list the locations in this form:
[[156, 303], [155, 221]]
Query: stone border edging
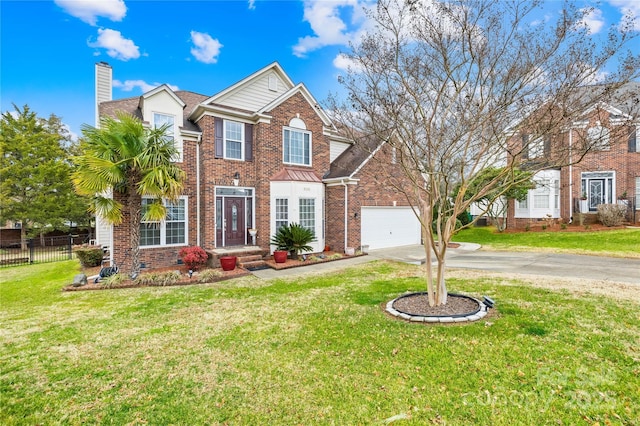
[[438, 319]]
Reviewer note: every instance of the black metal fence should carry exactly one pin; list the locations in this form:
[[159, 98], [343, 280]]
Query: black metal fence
[[38, 250]]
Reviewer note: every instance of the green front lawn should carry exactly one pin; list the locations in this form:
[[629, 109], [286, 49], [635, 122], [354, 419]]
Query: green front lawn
[[313, 350], [619, 243]]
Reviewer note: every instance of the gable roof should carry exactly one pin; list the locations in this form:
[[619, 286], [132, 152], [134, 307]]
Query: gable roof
[[349, 163], [274, 66], [162, 88], [302, 89]]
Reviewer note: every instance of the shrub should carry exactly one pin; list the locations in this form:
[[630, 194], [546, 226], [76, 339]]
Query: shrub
[[194, 257], [159, 279], [611, 214], [293, 238], [90, 257], [113, 280], [209, 275]]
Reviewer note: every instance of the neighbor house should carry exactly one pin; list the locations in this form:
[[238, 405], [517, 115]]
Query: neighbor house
[[258, 155], [608, 173]]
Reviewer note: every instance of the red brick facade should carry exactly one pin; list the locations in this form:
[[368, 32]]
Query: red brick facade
[[262, 169], [621, 157], [375, 186]]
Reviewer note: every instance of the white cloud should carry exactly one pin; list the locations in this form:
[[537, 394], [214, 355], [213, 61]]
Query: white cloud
[[343, 62], [328, 26], [593, 20], [252, 4], [129, 85], [206, 48], [630, 8], [89, 10], [117, 46]]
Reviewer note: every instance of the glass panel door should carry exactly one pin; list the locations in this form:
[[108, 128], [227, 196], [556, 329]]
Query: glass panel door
[[596, 193]]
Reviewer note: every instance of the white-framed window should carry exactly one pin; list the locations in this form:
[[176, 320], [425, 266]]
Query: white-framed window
[[169, 232], [160, 120], [282, 213], [598, 137], [308, 213], [233, 140], [297, 147], [541, 195]]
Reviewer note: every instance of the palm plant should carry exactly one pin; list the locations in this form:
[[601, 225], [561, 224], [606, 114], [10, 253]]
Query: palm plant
[[124, 158], [293, 238]]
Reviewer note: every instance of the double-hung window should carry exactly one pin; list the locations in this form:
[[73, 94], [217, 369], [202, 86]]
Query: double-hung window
[[282, 213], [160, 120], [297, 147], [308, 213], [170, 231], [541, 195], [233, 140]]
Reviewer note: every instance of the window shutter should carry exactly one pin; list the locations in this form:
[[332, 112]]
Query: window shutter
[[633, 141], [547, 145], [525, 147], [248, 142], [219, 139]]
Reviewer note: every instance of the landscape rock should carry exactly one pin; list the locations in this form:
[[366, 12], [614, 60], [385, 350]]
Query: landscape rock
[[79, 280]]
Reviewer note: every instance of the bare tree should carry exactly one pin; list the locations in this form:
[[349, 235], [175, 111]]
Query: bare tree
[[451, 85]]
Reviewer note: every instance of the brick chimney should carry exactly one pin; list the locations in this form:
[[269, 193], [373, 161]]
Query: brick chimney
[[103, 86]]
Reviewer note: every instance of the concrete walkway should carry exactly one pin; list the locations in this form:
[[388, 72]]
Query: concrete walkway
[[470, 256]]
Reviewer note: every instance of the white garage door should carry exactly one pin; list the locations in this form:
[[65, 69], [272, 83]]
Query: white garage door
[[384, 227]]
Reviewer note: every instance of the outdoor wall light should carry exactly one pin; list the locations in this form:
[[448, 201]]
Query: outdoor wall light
[[236, 179]]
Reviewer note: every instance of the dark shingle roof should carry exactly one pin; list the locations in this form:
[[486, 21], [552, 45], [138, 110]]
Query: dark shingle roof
[[131, 106], [352, 158]]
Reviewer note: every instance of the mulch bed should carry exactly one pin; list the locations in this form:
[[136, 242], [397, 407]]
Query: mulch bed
[[418, 304], [291, 263], [184, 280]]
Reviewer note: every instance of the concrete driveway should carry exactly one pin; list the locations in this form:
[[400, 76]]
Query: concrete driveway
[[470, 256]]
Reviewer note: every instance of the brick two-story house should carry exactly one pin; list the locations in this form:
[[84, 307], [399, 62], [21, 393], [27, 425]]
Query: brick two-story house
[[608, 173], [258, 155]]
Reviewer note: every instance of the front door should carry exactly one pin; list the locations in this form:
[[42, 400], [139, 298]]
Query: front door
[[596, 193], [234, 227]]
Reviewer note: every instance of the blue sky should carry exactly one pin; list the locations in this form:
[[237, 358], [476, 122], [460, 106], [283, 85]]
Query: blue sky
[[49, 48]]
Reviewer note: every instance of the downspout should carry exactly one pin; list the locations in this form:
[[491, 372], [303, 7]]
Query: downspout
[[198, 189], [346, 213], [570, 178]]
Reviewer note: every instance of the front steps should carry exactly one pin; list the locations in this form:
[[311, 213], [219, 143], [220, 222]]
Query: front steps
[[248, 257]]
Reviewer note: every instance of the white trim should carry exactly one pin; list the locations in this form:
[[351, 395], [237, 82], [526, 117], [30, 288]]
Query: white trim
[[302, 89], [242, 140], [275, 66], [177, 140], [304, 132], [161, 88], [163, 228]]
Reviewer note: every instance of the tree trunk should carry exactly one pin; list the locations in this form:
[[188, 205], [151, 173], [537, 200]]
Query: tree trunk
[[23, 236], [135, 207]]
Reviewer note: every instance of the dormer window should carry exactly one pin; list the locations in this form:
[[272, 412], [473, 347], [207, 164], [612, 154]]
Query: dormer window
[[160, 120]]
